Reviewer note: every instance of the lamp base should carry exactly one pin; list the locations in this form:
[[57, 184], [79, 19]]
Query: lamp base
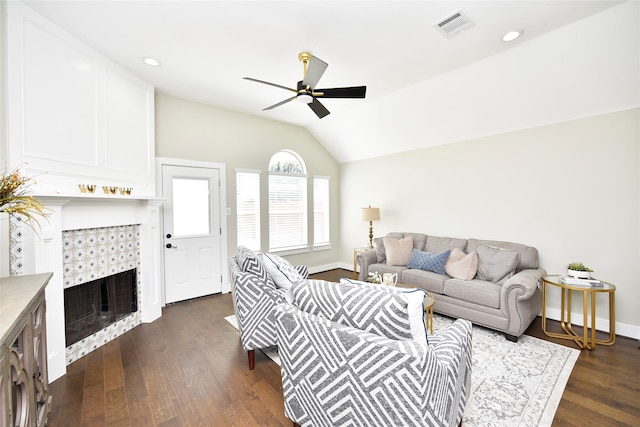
[[370, 234]]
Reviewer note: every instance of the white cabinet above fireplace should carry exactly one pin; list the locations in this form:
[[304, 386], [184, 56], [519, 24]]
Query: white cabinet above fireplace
[[74, 116]]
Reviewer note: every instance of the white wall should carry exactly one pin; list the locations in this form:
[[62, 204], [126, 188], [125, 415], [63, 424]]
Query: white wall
[[584, 69], [189, 130], [570, 189]]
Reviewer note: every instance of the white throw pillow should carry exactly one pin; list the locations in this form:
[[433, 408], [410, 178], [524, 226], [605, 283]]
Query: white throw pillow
[[415, 308], [281, 270]]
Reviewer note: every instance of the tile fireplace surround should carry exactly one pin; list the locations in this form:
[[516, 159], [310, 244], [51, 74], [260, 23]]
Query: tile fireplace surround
[[94, 253], [86, 238]]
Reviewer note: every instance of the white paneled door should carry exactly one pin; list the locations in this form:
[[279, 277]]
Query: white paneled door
[[192, 232]]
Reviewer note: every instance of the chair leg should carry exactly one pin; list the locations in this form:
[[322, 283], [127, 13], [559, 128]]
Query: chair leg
[[252, 359]]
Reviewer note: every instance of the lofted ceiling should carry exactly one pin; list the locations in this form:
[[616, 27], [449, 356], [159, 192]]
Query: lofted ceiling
[[206, 47]]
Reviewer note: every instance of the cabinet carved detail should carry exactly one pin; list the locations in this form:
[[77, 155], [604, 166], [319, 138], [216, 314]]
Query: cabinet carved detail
[[24, 390]]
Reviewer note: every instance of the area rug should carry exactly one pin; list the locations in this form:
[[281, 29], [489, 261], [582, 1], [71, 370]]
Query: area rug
[[512, 384]]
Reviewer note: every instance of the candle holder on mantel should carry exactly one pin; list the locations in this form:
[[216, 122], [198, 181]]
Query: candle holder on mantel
[[87, 188], [109, 190]]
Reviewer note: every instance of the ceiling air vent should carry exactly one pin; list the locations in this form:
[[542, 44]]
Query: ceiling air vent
[[454, 23]]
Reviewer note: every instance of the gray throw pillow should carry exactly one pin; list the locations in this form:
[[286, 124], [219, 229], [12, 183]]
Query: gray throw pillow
[[495, 264]]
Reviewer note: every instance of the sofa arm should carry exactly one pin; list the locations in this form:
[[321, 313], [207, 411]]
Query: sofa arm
[[365, 259], [520, 300], [254, 303], [526, 282]]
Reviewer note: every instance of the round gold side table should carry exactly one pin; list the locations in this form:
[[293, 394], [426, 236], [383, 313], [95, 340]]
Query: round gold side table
[[588, 338]]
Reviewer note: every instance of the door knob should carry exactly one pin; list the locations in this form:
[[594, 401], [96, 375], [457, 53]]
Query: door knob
[[169, 236], [170, 246]]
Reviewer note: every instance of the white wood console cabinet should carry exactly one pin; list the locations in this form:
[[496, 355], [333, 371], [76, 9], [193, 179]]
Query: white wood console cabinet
[[24, 387]]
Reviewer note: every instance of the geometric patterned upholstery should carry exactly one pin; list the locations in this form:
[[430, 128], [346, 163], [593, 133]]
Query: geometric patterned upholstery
[[302, 270], [254, 300], [250, 262], [357, 305], [334, 374]]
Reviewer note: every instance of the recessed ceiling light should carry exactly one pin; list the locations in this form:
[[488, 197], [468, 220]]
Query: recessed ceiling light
[[512, 35], [151, 61]]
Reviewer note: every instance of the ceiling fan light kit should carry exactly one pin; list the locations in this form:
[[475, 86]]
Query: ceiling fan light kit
[[306, 92], [305, 98]]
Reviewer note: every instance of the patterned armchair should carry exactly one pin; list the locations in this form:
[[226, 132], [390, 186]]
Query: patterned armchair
[[255, 295], [334, 373]]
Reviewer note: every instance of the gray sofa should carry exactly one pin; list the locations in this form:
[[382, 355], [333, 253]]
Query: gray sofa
[[508, 305]]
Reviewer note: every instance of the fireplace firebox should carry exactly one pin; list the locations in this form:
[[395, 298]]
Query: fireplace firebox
[[92, 306]]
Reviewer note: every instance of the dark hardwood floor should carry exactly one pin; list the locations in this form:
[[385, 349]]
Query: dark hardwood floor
[[188, 369]]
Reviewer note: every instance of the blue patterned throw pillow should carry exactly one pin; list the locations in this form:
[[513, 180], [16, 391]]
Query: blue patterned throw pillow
[[428, 261]]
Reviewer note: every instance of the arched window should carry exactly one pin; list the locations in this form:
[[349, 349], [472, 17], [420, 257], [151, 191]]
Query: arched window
[[287, 202]]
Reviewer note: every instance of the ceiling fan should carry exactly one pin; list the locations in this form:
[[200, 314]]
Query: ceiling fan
[[306, 91]]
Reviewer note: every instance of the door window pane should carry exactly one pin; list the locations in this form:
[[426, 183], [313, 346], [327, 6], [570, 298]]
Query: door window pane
[[190, 207]]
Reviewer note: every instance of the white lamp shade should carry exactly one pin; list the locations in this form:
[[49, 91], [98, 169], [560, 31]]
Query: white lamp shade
[[370, 214]]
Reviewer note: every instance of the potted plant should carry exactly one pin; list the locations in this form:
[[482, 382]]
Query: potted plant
[[579, 270], [15, 197]]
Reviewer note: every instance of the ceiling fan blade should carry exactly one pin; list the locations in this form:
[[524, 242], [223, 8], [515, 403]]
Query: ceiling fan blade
[[342, 92], [318, 108], [280, 103], [315, 70], [270, 84]]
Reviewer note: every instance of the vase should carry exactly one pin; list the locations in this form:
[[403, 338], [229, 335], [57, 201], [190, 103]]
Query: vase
[[4, 244], [579, 274]]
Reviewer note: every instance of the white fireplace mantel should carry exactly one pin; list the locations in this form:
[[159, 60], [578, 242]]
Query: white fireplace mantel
[[42, 252]]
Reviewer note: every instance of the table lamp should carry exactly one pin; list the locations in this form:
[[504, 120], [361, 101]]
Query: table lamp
[[370, 214]]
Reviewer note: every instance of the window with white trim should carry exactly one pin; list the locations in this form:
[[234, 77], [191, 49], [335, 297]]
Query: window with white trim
[[248, 208], [321, 230], [287, 202]]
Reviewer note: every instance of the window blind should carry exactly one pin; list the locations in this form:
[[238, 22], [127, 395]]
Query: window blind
[[321, 230], [248, 209], [287, 211]]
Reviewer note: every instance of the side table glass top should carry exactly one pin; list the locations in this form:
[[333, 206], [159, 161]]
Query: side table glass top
[[555, 280]]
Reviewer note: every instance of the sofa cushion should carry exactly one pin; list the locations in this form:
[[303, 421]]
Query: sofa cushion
[[398, 251], [496, 265], [419, 240], [250, 262], [476, 291], [283, 273], [437, 244], [462, 266], [427, 280], [528, 254], [428, 261]]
